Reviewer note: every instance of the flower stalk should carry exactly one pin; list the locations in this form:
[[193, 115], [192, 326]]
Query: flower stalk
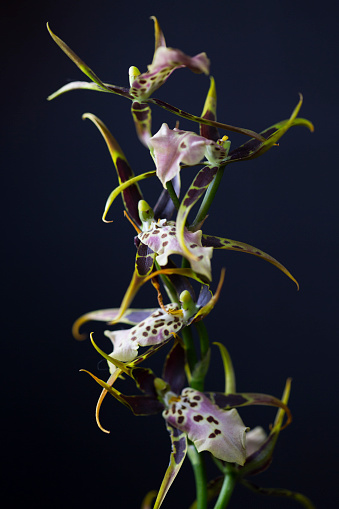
[[202, 424], [199, 470]]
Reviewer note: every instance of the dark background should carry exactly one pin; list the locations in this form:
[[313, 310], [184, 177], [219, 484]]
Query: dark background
[[61, 260]]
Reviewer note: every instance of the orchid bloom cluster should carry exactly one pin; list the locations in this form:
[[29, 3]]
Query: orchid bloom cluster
[[200, 422]]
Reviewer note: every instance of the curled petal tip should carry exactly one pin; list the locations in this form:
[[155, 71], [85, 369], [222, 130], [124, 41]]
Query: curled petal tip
[[76, 328]]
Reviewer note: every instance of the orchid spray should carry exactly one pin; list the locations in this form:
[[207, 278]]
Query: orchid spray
[[201, 423]]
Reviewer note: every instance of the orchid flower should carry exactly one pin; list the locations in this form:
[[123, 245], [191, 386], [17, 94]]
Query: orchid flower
[[163, 238], [170, 148], [142, 85], [151, 244], [160, 236], [188, 413], [165, 61], [151, 326], [132, 196]]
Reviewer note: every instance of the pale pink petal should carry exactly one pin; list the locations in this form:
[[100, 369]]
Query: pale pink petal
[[153, 330], [210, 428], [162, 239], [172, 147], [254, 439], [165, 61]]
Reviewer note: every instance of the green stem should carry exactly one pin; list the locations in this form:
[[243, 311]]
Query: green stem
[[226, 491], [208, 198], [185, 264], [187, 337], [203, 336], [172, 193], [200, 369], [198, 466], [170, 290]]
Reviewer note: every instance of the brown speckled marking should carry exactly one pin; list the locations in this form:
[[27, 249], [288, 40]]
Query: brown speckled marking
[[211, 419], [198, 418]]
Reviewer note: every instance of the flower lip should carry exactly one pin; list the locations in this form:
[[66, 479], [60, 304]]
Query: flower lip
[[172, 147], [212, 429], [162, 239]]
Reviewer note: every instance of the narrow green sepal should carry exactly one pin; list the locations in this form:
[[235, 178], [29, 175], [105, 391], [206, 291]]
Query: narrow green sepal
[[234, 245], [131, 194], [280, 492], [78, 62], [142, 116], [272, 135], [210, 113], [118, 364], [230, 385], [199, 185], [122, 188], [205, 121], [159, 38], [178, 454]]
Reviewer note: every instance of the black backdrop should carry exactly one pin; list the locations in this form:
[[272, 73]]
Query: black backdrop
[[61, 260]]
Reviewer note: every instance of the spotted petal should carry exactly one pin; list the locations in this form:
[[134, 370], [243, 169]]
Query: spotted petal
[[171, 147], [131, 317], [178, 454], [165, 61], [151, 331], [210, 428], [195, 191], [162, 239], [227, 401], [234, 245], [162, 55], [142, 117]]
